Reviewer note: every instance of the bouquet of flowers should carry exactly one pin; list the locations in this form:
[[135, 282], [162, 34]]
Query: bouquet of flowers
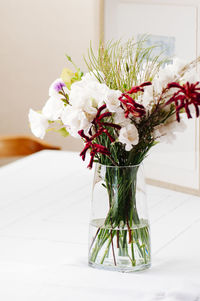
[[128, 101]]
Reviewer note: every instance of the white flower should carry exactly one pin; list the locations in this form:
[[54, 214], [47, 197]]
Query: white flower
[[120, 119], [128, 135], [112, 100], [177, 65], [76, 119], [56, 86], [163, 77], [167, 132], [38, 123], [53, 108], [87, 93], [167, 74], [148, 96], [92, 76], [90, 113], [191, 76]]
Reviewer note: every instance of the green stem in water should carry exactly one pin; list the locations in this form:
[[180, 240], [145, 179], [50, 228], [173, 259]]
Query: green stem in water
[[132, 251], [106, 251], [114, 259]]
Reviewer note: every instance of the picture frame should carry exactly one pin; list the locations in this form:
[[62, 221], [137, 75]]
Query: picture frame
[[175, 25]]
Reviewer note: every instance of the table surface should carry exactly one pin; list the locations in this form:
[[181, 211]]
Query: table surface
[[44, 213]]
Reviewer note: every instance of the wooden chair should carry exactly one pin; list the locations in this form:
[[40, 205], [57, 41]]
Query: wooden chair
[[16, 146]]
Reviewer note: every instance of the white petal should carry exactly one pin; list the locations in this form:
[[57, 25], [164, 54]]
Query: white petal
[[166, 132], [75, 119], [128, 147], [192, 76], [112, 100], [178, 64], [147, 96], [38, 123], [53, 108], [90, 76], [90, 113], [87, 93], [128, 135], [167, 74], [120, 119]]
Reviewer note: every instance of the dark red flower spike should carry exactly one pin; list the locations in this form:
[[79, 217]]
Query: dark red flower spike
[[100, 124], [100, 128], [139, 88], [187, 94], [98, 119], [95, 148], [130, 105]]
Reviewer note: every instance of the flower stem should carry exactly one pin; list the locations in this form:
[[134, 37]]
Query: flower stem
[[94, 238], [106, 251], [114, 259]]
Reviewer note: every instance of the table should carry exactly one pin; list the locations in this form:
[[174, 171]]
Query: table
[[44, 214]]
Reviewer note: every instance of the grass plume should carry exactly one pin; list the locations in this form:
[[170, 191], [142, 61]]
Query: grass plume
[[124, 64]]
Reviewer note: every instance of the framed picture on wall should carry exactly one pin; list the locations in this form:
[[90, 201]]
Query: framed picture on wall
[[174, 26]]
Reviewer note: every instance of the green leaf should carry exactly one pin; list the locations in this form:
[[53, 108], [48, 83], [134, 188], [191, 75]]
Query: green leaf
[[155, 142], [64, 100], [69, 58], [63, 132]]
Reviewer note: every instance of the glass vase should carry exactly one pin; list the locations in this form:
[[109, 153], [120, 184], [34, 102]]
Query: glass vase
[[119, 234]]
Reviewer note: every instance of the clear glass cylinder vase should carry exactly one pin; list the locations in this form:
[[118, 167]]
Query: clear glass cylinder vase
[[119, 233]]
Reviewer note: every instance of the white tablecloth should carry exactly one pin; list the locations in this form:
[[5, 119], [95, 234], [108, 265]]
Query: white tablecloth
[[44, 213]]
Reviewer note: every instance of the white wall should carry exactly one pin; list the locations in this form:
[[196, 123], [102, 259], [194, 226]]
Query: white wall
[[35, 35]]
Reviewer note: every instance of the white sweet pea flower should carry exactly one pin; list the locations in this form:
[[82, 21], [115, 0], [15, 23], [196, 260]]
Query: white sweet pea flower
[[89, 76], [161, 80], [76, 119], [147, 97], [128, 135], [93, 76], [78, 97], [53, 108], [102, 91], [119, 118], [38, 123], [112, 100], [168, 74], [87, 93], [191, 76], [90, 113], [56, 87], [167, 132], [177, 65]]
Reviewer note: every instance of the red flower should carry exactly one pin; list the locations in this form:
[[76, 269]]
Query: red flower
[[187, 94], [95, 148], [139, 88], [100, 124], [131, 106], [100, 128]]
